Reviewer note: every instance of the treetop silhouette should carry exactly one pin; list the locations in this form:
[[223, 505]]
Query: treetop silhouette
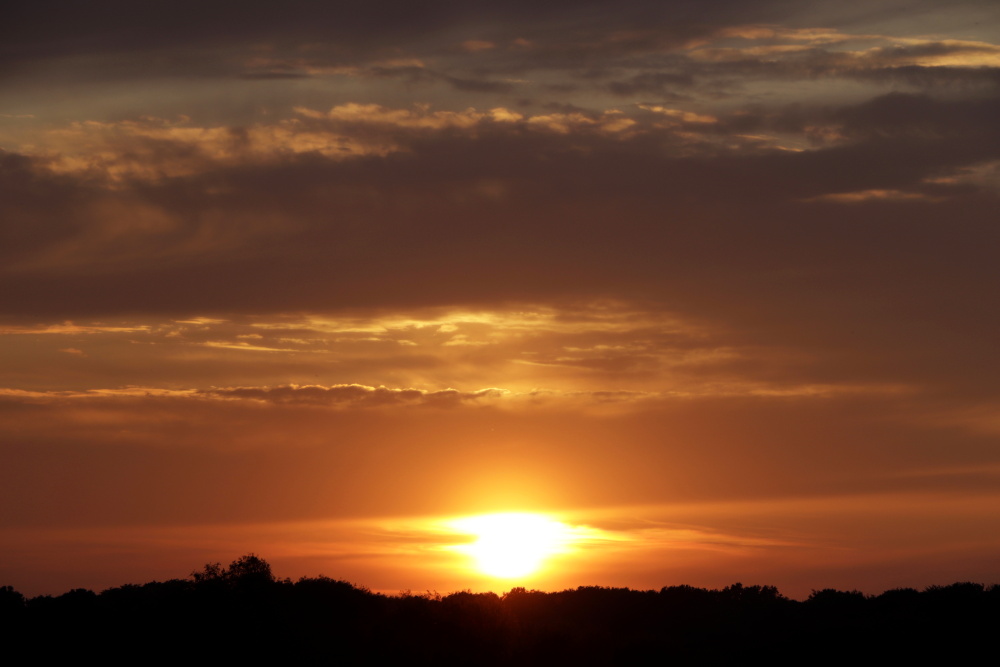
[[245, 569]]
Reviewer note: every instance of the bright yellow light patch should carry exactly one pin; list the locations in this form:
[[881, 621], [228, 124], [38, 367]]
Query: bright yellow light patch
[[513, 544]]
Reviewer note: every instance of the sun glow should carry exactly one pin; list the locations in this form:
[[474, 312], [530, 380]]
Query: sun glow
[[513, 544]]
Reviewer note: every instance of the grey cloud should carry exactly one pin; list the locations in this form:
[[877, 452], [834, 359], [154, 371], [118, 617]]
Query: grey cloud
[[53, 29], [465, 83], [274, 75], [479, 85], [664, 74], [633, 51], [922, 118], [662, 84]]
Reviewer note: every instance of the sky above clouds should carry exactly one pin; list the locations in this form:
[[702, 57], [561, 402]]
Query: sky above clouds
[[716, 280]]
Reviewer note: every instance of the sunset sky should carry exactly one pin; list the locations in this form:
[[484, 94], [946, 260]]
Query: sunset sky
[[715, 284]]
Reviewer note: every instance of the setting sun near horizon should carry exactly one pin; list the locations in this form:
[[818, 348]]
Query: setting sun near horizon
[[513, 544]]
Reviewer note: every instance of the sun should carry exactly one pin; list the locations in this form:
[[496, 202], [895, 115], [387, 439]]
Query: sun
[[512, 544]]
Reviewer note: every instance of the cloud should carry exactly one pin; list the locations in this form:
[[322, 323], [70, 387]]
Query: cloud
[[352, 394], [157, 149], [487, 207], [570, 353], [873, 195], [69, 328], [475, 45], [129, 37]]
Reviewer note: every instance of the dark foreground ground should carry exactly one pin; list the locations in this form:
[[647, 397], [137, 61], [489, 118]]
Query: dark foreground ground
[[242, 612]]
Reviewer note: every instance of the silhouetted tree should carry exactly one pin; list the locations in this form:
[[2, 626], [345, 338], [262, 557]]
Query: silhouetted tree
[[12, 606], [250, 568], [245, 569]]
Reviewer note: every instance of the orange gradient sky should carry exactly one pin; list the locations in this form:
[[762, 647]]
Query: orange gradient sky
[[714, 285]]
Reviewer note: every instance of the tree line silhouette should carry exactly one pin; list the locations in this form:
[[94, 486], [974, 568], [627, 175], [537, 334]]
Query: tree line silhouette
[[244, 612]]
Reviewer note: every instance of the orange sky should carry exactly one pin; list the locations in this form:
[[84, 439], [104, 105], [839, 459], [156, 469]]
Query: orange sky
[[715, 286]]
